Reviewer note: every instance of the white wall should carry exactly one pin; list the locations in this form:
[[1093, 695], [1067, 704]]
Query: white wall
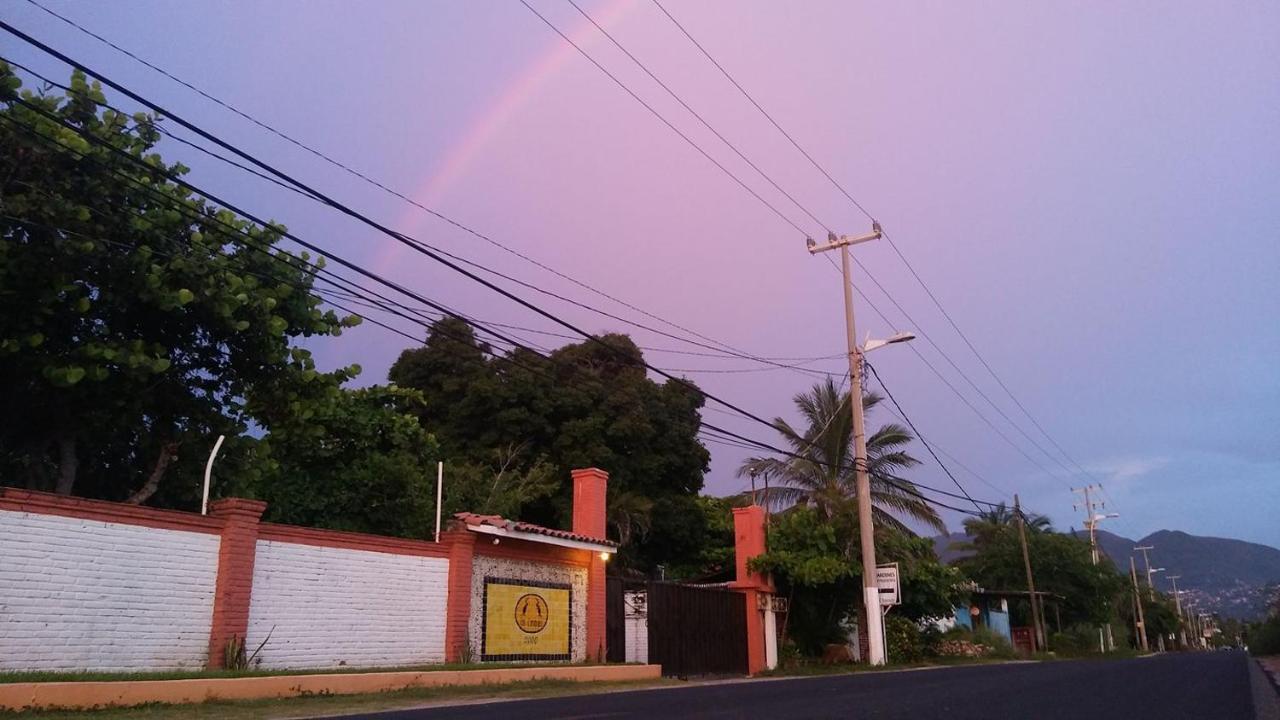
[[327, 607], [91, 595]]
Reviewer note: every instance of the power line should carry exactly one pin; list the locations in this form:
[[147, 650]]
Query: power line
[[916, 430], [897, 251], [702, 120], [909, 488], [385, 188]]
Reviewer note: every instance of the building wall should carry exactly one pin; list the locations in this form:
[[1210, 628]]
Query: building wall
[[327, 607], [87, 594], [523, 569]]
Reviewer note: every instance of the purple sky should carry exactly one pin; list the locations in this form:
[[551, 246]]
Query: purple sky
[[1089, 188]]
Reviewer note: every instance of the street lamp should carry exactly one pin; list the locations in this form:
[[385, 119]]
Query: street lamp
[[868, 345], [866, 532]]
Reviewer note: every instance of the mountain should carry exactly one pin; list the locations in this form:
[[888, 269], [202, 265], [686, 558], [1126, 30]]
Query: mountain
[[1232, 577]]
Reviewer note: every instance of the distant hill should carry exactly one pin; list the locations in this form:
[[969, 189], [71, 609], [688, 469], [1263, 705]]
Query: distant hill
[[1232, 577]]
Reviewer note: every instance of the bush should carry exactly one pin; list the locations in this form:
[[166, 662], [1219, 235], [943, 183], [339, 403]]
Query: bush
[[905, 640], [1075, 641], [1265, 638], [960, 641]]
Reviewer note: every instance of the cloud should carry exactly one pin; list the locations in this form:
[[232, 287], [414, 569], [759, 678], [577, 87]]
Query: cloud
[[1126, 469]]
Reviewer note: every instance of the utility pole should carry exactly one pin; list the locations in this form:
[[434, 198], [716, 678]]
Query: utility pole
[[1177, 599], [1092, 518], [1139, 618], [1146, 561], [1037, 618], [866, 531]]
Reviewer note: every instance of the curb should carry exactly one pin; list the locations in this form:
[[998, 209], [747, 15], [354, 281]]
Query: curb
[[1266, 692], [127, 693]]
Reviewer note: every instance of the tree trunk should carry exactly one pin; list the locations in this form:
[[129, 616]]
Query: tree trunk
[[167, 455], [68, 465]]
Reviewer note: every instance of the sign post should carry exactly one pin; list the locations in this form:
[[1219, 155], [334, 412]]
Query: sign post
[[889, 584]]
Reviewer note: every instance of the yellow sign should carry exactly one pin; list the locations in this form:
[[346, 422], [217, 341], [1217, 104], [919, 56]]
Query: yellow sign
[[525, 620]]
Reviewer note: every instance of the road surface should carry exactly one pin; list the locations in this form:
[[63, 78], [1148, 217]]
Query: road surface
[[1203, 686]]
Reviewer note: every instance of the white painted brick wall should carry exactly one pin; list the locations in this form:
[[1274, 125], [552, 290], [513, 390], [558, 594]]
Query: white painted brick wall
[[326, 607], [91, 595]]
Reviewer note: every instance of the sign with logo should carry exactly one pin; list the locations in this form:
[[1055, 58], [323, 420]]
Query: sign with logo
[[525, 620], [888, 584]]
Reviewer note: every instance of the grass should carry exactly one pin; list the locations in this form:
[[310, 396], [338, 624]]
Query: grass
[[84, 676], [320, 705]]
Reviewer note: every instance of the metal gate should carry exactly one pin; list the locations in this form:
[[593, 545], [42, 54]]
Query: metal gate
[[697, 630], [615, 635]]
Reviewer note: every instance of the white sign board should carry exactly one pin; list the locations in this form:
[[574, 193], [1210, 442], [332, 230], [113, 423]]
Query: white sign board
[[888, 584]]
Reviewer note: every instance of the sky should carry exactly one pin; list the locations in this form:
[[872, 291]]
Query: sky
[[1089, 189]]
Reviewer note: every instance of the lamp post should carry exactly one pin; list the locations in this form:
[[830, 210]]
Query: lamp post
[[866, 531]]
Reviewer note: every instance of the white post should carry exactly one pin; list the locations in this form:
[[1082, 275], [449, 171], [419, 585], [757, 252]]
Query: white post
[[439, 495], [770, 638], [208, 471]]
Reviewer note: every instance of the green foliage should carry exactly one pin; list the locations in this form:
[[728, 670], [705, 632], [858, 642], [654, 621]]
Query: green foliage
[[1264, 638], [806, 550], [1063, 566], [905, 640], [930, 590], [355, 460], [715, 554], [134, 326], [1075, 641], [821, 474], [585, 406]]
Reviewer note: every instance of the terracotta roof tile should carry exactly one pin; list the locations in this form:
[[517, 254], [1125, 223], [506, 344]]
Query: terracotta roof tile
[[498, 521]]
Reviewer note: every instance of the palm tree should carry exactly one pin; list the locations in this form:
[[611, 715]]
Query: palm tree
[[821, 475], [991, 523]]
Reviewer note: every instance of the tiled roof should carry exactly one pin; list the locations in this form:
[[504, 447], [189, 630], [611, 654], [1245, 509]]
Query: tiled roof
[[497, 521]]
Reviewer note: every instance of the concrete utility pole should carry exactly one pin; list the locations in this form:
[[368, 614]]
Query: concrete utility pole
[[1177, 599], [1146, 561], [1092, 518], [866, 531], [1037, 617], [1139, 618]]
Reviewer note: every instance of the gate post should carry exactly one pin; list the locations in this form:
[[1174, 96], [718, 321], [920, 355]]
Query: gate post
[[749, 541], [590, 486]]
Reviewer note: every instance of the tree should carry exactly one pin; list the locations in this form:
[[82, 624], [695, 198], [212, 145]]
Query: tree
[[353, 460], [584, 405], [992, 524], [1063, 567], [822, 476], [137, 322]]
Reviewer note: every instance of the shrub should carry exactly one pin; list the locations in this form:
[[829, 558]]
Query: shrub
[[1265, 638], [1075, 641], [983, 642], [904, 639]]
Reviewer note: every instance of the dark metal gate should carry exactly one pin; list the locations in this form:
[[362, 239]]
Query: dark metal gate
[[696, 630]]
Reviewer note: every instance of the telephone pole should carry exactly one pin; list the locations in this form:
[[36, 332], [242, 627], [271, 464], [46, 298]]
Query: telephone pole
[[1139, 618], [1037, 617], [1146, 561], [1177, 599], [1092, 518], [866, 531]]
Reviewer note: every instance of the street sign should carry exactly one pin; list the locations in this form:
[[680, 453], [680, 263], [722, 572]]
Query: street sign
[[888, 584]]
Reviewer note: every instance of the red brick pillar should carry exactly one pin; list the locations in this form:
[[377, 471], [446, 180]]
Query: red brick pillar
[[234, 586], [749, 541], [590, 488], [462, 548]]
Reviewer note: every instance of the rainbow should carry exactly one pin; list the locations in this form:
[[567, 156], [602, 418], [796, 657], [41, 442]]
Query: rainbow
[[490, 122]]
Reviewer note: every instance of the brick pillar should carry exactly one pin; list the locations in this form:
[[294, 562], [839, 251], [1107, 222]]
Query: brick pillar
[[234, 587], [749, 541], [590, 489], [462, 548]]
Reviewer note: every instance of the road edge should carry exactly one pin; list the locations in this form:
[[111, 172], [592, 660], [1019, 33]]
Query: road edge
[[1266, 697]]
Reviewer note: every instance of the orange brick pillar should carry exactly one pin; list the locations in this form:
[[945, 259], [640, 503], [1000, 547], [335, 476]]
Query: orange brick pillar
[[749, 541], [234, 586], [462, 548], [590, 488]]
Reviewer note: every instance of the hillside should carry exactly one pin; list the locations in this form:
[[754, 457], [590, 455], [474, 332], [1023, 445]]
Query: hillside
[[1231, 577]]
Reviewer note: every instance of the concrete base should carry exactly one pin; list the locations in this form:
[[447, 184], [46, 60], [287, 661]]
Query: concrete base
[[125, 693]]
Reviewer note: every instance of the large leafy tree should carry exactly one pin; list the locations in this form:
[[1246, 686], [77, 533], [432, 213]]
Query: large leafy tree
[[583, 405], [821, 472], [136, 323], [1063, 565]]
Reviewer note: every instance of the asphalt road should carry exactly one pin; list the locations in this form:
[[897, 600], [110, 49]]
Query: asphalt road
[[1203, 686]]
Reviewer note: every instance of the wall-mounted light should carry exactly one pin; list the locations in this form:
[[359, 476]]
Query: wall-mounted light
[[604, 556]]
